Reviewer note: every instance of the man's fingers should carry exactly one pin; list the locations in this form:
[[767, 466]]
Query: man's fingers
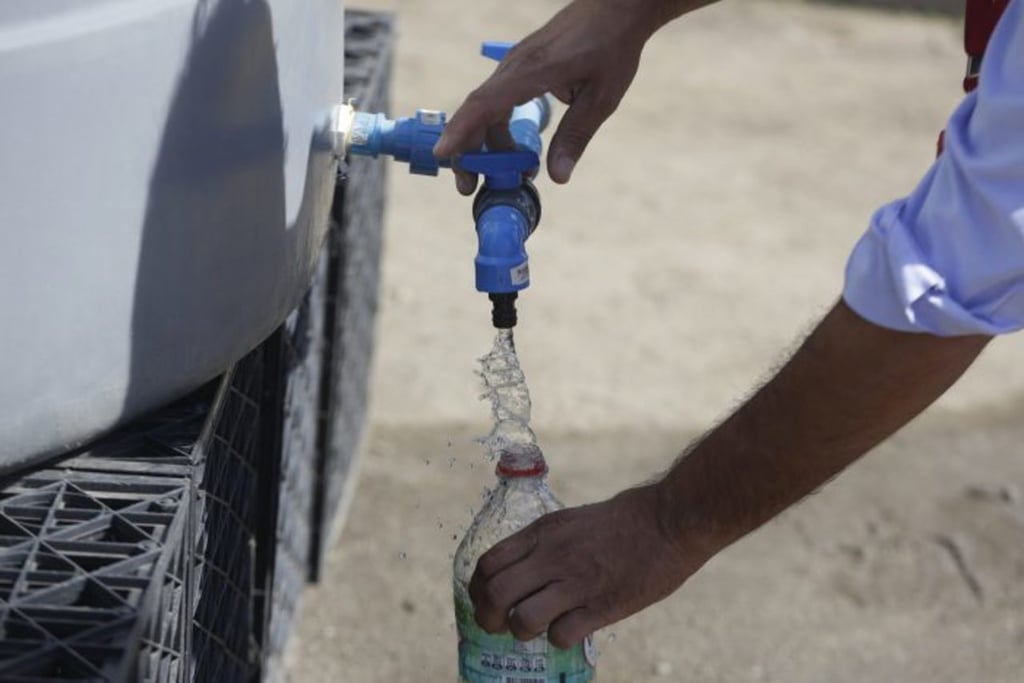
[[499, 138], [496, 597], [505, 553], [588, 111], [465, 182], [572, 627], [531, 617], [566, 94], [486, 106]]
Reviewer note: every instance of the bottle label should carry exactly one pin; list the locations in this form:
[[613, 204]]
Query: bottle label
[[486, 658]]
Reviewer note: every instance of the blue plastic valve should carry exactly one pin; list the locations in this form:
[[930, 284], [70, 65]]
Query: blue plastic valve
[[506, 213], [412, 139], [501, 170], [501, 263]]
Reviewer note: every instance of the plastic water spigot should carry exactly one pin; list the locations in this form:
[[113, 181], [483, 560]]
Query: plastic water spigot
[[501, 170], [506, 210], [412, 139]]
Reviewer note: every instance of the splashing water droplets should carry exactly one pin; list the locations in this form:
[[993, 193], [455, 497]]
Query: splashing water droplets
[[518, 497]]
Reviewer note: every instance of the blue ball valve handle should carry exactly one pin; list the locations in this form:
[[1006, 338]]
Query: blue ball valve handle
[[501, 170], [496, 49]]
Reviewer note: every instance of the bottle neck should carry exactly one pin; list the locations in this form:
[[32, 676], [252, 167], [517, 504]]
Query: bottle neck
[[522, 463]]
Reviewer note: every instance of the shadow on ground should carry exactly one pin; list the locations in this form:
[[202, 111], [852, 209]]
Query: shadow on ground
[[908, 567]]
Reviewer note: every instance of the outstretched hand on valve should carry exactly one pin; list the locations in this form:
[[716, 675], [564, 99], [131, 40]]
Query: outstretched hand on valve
[[586, 56]]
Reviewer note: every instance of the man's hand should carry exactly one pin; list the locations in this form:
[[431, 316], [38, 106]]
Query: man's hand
[[577, 570], [586, 56], [849, 386]]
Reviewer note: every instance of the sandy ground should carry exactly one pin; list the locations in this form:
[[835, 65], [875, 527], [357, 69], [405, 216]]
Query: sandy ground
[[705, 230]]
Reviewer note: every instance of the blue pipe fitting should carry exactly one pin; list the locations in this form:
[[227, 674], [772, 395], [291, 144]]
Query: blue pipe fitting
[[507, 211], [502, 265], [410, 139]]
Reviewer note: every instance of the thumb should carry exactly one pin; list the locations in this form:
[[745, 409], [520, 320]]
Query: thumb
[[578, 125]]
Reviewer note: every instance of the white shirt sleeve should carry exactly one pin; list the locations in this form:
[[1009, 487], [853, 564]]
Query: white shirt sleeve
[[949, 259]]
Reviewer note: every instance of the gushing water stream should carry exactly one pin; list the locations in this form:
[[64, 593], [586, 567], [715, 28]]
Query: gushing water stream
[[505, 388]]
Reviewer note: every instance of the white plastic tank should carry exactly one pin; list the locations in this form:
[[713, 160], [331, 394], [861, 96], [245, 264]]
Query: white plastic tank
[[164, 190]]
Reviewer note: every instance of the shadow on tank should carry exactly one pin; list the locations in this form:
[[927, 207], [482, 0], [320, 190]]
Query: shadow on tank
[[220, 264]]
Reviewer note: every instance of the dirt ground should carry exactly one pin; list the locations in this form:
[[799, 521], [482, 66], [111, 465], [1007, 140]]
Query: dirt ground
[[705, 230]]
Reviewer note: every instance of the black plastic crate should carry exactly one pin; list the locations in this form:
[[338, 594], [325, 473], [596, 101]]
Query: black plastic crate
[[90, 546]]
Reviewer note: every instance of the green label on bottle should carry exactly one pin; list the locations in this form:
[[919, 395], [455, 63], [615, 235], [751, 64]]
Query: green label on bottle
[[486, 658]]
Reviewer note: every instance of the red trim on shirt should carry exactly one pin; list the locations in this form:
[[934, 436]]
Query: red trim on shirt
[[981, 17], [980, 20]]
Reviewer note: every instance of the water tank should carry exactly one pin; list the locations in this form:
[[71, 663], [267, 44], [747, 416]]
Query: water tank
[[164, 189]]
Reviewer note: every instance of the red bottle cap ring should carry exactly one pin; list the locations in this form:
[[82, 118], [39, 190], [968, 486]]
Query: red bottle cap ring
[[535, 469], [526, 463]]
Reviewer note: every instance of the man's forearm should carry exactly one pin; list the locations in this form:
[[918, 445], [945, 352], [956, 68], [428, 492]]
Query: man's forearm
[[849, 386], [657, 13], [667, 10]]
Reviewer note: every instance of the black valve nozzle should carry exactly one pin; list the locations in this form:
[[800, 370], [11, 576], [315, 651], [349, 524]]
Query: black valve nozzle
[[503, 312]]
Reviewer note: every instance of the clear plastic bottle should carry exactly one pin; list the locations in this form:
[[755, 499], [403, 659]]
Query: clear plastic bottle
[[522, 496]]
